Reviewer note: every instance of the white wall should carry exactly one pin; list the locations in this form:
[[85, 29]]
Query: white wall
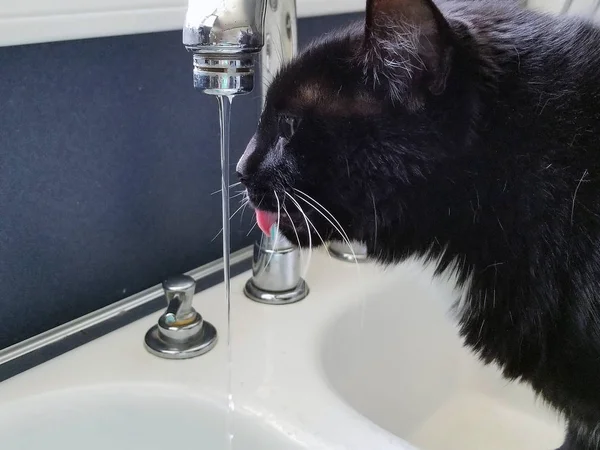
[[580, 7], [31, 21]]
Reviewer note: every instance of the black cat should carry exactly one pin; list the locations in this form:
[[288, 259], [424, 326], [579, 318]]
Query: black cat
[[468, 133]]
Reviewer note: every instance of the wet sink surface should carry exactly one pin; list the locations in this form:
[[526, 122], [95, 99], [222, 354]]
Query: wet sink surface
[[129, 418]]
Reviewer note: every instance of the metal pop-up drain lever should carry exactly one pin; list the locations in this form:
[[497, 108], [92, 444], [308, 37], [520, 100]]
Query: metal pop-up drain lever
[[181, 332]]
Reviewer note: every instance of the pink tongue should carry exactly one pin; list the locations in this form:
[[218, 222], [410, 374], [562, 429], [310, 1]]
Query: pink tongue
[[265, 221]]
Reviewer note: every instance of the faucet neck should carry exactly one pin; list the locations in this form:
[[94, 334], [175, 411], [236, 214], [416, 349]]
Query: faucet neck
[[280, 39]]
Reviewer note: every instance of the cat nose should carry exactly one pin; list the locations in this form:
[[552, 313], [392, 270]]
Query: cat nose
[[242, 166], [243, 179]]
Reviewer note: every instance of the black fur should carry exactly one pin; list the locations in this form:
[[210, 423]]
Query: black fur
[[471, 137]]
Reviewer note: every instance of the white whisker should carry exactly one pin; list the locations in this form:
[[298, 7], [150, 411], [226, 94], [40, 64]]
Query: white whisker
[[341, 232], [237, 210], [338, 228], [293, 225], [374, 217], [253, 226], [230, 186], [310, 248], [294, 228], [244, 206], [276, 237], [245, 201], [319, 235], [217, 235]]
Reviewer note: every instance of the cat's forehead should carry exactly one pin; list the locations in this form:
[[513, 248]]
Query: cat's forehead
[[326, 97], [325, 79], [329, 90]]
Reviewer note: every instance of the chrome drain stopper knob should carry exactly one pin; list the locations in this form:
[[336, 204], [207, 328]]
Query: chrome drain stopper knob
[[181, 332]]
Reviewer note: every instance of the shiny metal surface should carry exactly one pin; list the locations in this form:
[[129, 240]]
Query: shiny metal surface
[[179, 292], [259, 295], [181, 332], [202, 343], [229, 76], [356, 252], [224, 27], [276, 270], [228, 36], [281, 39]]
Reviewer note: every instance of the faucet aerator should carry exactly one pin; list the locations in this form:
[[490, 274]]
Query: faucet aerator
[[224, 74]]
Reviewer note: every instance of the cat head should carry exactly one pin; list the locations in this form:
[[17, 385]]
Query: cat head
[[354, 120]]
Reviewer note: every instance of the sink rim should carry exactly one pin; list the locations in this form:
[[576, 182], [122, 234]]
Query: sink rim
[[275, 354]]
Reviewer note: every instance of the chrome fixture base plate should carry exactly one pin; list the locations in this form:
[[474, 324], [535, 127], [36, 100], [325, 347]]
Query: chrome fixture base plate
[[157, 345], [276, 298], [346, 255]]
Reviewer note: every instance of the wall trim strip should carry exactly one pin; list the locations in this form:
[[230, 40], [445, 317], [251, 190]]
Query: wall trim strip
[[114, 310]]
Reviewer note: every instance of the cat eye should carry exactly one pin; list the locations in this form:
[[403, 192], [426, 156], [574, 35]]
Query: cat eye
[[288, 126]]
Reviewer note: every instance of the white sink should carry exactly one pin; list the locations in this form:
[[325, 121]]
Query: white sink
[[129, 417], [395, 356], [368, 361]]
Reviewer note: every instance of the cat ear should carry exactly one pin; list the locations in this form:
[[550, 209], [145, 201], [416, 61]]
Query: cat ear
[[407, 47]]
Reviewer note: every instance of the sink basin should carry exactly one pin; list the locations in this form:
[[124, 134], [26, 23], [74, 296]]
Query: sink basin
[[129, 417], [394, 355], [370, 360]]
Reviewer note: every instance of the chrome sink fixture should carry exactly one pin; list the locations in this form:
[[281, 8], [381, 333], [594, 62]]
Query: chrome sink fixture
[[233, 41], [354, 252], [181, 332]]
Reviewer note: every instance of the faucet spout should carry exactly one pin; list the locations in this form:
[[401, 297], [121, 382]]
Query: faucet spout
[[225, 37]]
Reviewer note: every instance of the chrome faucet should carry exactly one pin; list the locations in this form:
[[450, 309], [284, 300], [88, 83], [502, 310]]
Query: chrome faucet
[[232, 41], [354, 252]]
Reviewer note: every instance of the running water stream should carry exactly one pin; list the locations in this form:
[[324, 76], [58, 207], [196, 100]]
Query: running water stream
[[224, 119]]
